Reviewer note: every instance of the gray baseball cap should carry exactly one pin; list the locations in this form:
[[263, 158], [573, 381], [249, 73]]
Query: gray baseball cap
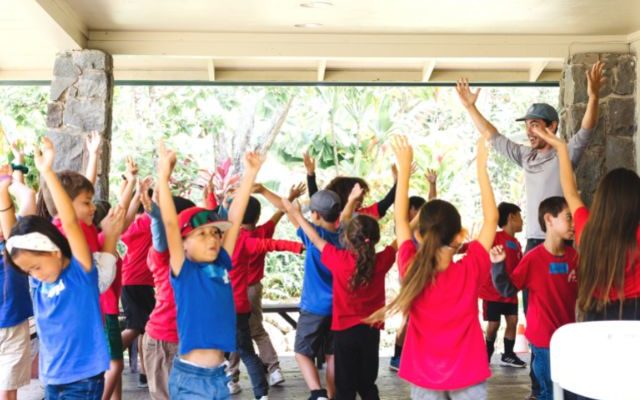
[[327, 204], [541, 111]]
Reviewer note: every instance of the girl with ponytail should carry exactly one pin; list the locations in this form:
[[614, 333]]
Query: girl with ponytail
[[444, 353], [358, 290]]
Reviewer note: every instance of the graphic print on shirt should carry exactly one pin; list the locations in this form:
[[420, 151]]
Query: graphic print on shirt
[[52, 290]]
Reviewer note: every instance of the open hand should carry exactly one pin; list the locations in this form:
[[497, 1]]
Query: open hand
[[432, 176], [253, 161], [548, 136], [93, 141], [467, 97], [595, 79], [309, 163], [403, 151], [113, 224], [297, 191], [143, 189], [132, 168], [44, 155], [497, 254], [356, 192], [166, 161]]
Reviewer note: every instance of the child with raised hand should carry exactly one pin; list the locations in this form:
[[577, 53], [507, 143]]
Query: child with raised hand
[[73, 350], [444, 353], [200, 263], [358, 290], [15, 306], [609, 270], [495, 305], [254, 242]]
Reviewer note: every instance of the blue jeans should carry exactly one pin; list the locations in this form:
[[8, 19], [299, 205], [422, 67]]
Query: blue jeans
[[187, 381], [84, 389], [249, 358], [542, 369]]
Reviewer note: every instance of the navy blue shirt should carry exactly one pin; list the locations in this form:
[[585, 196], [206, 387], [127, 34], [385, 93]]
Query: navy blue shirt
[[317, 291], [69, 324], [204, 302], [15, 300]]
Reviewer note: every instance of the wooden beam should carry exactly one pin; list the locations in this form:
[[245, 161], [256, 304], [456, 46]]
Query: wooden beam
[[322, 67], [327, 46], [211, 69], [64, 19], [536, 69], [427, 70]]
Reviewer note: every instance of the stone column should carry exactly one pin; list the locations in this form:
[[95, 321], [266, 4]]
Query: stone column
[[81, 102], [613, 143]]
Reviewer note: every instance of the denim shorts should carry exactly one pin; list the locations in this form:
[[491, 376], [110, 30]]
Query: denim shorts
[[189, 381], [84, 389]]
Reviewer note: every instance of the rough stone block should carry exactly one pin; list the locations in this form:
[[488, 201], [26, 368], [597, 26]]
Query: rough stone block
[[64, 66], [54, 114], [93, 83], [624, 76], [589, 171], [69, 148], [584, 58], [622, 116], [92, 59], [575, 85], [86, 115], [58, 87], [620, 153]]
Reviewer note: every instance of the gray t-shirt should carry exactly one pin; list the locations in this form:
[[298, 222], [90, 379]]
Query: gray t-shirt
[[541, 172]]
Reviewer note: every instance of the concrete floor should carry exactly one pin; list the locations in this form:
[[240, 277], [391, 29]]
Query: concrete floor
[[505, 384]]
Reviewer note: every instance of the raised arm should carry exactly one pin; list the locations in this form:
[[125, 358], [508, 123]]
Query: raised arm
[[567, 180], [432, 178], [126, 196], [309, 230], [294, 193], [93, 141], [595, 80], [79, 248], [350, 207], [404, 158], [489, 211], [166, 163], [468, 100], [7, 211], [18, 162], [310, 166], [252, 163]]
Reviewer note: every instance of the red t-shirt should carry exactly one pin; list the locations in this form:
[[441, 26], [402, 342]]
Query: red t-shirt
[[371, 211], [513, 252], [351, 307], [247, 249], [162, 323], [256, 272], [444, 347], [631, 272], [137, 237], [553, 289]]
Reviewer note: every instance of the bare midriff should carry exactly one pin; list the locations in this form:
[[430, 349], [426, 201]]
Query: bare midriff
[[207, 358]]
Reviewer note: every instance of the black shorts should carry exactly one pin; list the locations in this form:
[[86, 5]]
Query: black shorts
[[313, 335], [492, 310], [137, 303]]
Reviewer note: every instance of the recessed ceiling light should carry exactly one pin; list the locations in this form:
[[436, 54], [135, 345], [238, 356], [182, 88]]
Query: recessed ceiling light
[[310, 25], [317, 4]]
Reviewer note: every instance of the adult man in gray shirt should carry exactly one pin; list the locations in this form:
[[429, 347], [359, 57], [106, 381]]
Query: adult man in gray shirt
[[540, 160]]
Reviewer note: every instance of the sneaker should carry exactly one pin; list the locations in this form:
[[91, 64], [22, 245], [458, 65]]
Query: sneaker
[[394, 364], [511, 360], [142, 381], [276, 378], [234, 387]]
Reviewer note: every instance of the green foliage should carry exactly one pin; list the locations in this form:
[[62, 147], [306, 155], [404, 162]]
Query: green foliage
[[345, 128]]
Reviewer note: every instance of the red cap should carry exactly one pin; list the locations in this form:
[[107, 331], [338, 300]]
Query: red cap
[[185, 222]]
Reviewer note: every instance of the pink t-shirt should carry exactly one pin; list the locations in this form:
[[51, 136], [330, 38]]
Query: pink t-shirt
[[137, 237], [444, 348], [162, 323]]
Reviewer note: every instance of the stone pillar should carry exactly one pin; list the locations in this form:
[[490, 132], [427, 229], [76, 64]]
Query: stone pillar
[[81, 102], [613, 144]]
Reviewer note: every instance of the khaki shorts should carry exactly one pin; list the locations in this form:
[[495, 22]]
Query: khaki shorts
[[15, 356], [158, 359]]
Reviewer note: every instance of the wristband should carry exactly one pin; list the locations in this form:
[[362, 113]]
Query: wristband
[[20, 167]]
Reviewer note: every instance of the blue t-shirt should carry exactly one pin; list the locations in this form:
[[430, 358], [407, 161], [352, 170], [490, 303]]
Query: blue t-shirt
[[204, 302], [15, 301], [317, 292], [69, 324]]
